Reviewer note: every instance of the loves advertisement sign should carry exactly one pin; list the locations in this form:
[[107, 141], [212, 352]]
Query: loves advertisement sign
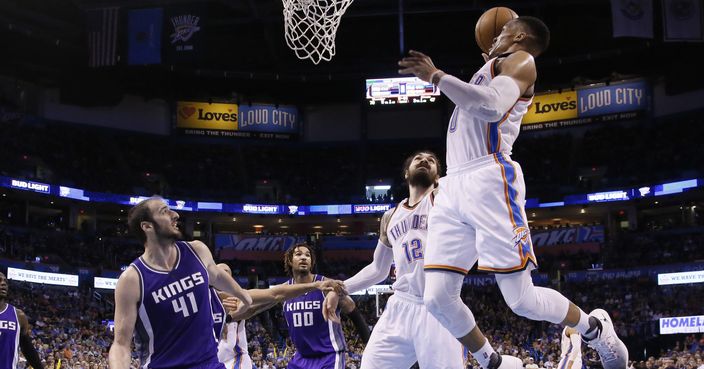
[[207, 116], [550, 107]]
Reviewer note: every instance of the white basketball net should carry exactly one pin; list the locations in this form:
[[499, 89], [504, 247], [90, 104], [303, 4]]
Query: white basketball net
[[310, 27]]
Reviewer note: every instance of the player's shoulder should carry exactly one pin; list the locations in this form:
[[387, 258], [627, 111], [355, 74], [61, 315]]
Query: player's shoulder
[[129, 284], [389, 213], [197, 244], [22, 319], [129, 277], [386, 217], [201, 249], [20, 313]]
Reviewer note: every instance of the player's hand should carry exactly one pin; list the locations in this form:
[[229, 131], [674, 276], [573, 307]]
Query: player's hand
[[233, 307], [417, 64], [330, 285], [330, 307]]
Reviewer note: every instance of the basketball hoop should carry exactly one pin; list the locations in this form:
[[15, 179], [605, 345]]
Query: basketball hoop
[[310, 27]]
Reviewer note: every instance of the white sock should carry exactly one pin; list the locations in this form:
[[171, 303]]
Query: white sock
[[483, 355]]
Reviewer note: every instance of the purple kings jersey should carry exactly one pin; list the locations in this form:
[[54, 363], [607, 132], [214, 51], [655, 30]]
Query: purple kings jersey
[[9, 337], [310, 333], [218, 313], [174, 327]]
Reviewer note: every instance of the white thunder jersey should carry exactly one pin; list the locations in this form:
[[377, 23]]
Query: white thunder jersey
[[407, 232], [469, 137], [234, 345], [568, 346]]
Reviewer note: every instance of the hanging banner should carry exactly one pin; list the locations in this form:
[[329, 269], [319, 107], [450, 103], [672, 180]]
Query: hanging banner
[[144, 36], [632, 18], [184, 34], [683, 20]]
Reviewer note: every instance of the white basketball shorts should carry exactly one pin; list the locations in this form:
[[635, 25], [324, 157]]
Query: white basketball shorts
[[479, 215], [406, 333]]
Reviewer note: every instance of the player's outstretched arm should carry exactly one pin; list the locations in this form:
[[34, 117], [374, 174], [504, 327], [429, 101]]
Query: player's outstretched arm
[[126, 301], [26, 345], [371, 274], [265, 299], [490, 102], [378, 269], [219, 278]]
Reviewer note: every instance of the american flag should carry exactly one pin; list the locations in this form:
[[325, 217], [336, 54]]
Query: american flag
[[102, 37]]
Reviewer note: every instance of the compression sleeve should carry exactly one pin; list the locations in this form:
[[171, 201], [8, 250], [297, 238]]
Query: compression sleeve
[[488, 102], [373, 273]]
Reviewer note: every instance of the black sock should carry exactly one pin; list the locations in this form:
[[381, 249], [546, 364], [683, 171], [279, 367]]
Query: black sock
[[494, 361], [594, 328]]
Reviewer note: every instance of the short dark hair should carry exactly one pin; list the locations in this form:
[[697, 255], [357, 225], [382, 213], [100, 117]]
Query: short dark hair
[[138, 214], [409, 160], [288, 256], [539, 34]]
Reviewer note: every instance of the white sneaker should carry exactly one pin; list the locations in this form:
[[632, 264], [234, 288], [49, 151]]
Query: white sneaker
[[510, 362], [612, 352]]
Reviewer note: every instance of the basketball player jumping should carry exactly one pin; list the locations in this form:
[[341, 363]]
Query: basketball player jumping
[[14, 332], [479, 212], [230, 325], [164, 296], [403, 334]]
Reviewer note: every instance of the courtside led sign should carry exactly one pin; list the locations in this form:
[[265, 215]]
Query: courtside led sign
[[371, 208], [105, 283], [30, 186], [32, 276], [682, 324], [681, 278], [260, 209]]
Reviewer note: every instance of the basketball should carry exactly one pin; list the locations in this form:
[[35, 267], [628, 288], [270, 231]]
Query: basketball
[[490, 24]]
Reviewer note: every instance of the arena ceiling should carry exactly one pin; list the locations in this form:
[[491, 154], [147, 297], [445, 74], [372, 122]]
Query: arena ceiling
[[246, 54]]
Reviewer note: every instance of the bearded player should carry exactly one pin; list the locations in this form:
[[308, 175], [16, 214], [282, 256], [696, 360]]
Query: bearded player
[[406, 332]]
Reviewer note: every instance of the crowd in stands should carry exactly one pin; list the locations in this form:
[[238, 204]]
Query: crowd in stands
[[555, 163], [68, 326], [112, 250]]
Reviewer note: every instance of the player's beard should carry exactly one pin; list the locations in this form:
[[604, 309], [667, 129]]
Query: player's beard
[[303, 272], [420, 178], [165, 234]]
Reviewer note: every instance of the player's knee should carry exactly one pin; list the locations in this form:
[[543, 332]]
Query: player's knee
[[537, 303], [523, 307], [523, 304]]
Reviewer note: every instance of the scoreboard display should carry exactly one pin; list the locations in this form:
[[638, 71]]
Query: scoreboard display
[[405, 90]]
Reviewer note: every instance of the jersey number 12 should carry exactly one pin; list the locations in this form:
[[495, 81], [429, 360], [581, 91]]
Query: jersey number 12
[[413, 250]]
